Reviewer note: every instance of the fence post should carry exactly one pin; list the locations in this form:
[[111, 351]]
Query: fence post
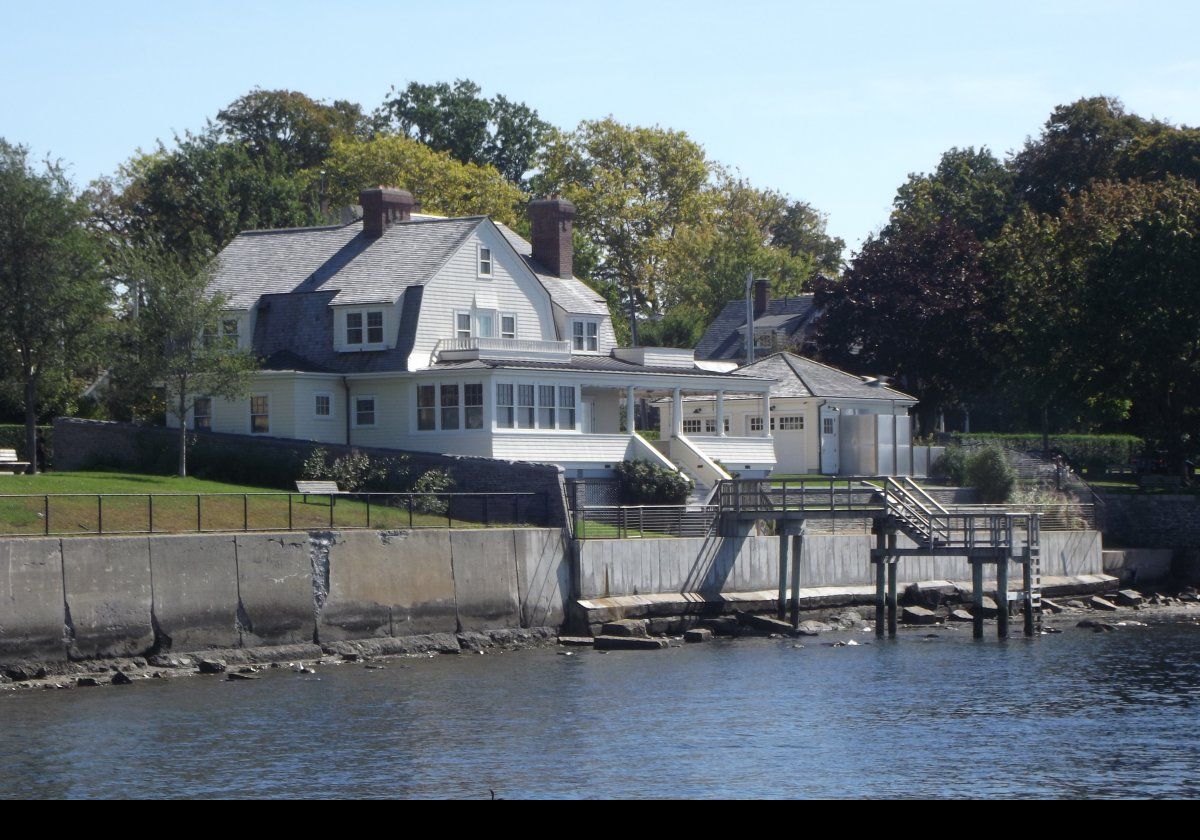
[[46, 513], [368, 510], [449, 512], [486, 523], [245, 512], [330, 511], [150, 510], [289, 511], [199, 524], [100, 513], [410, 520]]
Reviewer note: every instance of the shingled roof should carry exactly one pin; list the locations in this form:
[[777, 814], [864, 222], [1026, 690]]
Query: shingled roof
[[356, 268], [725, 337], [571, 293], [798, 376]]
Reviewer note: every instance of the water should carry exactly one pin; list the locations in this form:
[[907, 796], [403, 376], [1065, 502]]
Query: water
[[1073, 715]]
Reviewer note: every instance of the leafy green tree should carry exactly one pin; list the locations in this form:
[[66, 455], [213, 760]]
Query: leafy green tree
[[801, 230], [437, 181], [917, 305], [456, 119], [1080, 143], [176, 336], [1168, 151], [53, 302], [1103, 307], [287, 128], [634, 188], [971, 187]]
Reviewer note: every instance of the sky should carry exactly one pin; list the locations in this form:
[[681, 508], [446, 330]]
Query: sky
[[833, 103]]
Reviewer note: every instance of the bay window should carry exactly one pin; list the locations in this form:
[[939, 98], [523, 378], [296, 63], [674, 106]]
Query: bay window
[[426, 408], [506, 415], [473, 406], [566, 406]]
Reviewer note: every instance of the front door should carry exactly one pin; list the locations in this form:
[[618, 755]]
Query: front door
[[829, 441]]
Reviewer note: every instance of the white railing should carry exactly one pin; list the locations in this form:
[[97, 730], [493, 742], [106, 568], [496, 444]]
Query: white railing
[[503, 347]]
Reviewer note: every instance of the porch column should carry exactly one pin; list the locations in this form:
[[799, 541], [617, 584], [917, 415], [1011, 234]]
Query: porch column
[[677, 414], [629, 412], [766, 413], [720, 414]]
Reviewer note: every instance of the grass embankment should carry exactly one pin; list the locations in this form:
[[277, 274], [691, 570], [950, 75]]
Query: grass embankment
[[191, 504]]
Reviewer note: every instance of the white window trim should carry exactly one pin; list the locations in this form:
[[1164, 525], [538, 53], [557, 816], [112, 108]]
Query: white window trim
[[365, 312], [374, 411], [585, 322], [250, 413], [322, 417], [516, 330], [491, 272], [461, 384], [559, 408]]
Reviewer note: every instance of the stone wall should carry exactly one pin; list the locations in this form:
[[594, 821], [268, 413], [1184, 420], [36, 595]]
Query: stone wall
[[1152, 521], [97, 597], [86, 443]]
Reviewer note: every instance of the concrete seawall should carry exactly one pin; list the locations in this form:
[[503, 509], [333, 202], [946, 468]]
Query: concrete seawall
[[613, 568], [99, 597]]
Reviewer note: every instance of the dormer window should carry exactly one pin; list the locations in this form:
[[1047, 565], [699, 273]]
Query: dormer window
[[585, 336], [485, 262], [364, 328]]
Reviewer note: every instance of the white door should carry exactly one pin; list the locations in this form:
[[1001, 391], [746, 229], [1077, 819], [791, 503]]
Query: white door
[[829, 441]]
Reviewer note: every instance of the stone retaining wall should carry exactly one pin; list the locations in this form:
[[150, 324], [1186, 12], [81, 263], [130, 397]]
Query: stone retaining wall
[[1152, 520]]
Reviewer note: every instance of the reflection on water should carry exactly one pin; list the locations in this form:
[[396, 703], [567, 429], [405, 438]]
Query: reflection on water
[[1078, 714]]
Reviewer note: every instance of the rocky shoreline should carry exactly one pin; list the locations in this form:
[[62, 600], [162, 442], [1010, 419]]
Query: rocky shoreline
[[1101, 614]]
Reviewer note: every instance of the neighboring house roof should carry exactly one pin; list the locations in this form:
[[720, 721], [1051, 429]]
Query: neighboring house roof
[[355, 268], [571, 293], [725, 337], [798, 376]]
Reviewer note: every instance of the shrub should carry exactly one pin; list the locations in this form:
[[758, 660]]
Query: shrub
[[951, 467], [1093, 453], [432, 481], [357, 471], [644, 483], [990, 473]]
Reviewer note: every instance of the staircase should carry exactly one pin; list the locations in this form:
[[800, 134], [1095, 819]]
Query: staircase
[[922, 519]]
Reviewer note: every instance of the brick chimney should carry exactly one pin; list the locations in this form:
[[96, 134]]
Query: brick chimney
[[550, 220], [383, 207], [762, 293]]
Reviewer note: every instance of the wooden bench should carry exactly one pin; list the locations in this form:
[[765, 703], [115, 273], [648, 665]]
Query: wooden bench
[[9, 463], [318, 488]]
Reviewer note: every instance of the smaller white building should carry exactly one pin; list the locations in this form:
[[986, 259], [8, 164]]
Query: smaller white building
[[823, 420]]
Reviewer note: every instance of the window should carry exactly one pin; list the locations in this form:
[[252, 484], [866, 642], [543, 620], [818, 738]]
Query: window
[[584, 336], [525, 409], [462, 324], [508, 326], [473, 406], [354, 328], [710, 425], [375, 327], [757, 426], [485, 262], [359, 335], [426, 408], [485, 325], [545, 406], [229, 331], [260, 415], [691, 427], [791, 424], [323, 406], [506, 415], [566, 407], [202, 413], [450, 407], [364, 411], [827, 426]]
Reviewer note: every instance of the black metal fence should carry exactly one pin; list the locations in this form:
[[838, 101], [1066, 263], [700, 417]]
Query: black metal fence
[[79, 514]]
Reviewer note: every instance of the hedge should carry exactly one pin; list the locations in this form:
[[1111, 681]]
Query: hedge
[[12, 436], [1091, 452]]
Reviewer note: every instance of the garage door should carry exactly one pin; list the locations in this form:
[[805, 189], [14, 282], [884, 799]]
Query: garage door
[[790, 446]]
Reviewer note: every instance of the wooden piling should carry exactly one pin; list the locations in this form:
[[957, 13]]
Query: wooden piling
[[797, 553], [977, 598], [1027, 589], [784, 540], [880, 596], [1002, 596]]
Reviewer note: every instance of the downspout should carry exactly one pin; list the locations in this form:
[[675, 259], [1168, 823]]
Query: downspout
[[346, 388]]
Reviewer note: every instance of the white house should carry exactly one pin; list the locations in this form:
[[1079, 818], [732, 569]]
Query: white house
[[822, 420], [455, 335]]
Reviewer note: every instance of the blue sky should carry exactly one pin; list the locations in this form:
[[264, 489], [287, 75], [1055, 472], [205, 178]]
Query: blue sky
[[830, 102]]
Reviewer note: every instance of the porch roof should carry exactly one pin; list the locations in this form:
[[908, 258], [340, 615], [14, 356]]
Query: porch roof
[[609, 367]]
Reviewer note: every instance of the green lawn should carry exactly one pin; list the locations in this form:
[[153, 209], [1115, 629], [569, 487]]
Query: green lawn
[[190, 504]]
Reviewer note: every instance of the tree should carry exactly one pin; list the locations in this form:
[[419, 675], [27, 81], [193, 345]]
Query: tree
[[1080, 143], [53, 302], [177, 336], [1103, 307], [917, 305], [969, 186], [634, 188], [288, 129], [456, 119], [437, 181]]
